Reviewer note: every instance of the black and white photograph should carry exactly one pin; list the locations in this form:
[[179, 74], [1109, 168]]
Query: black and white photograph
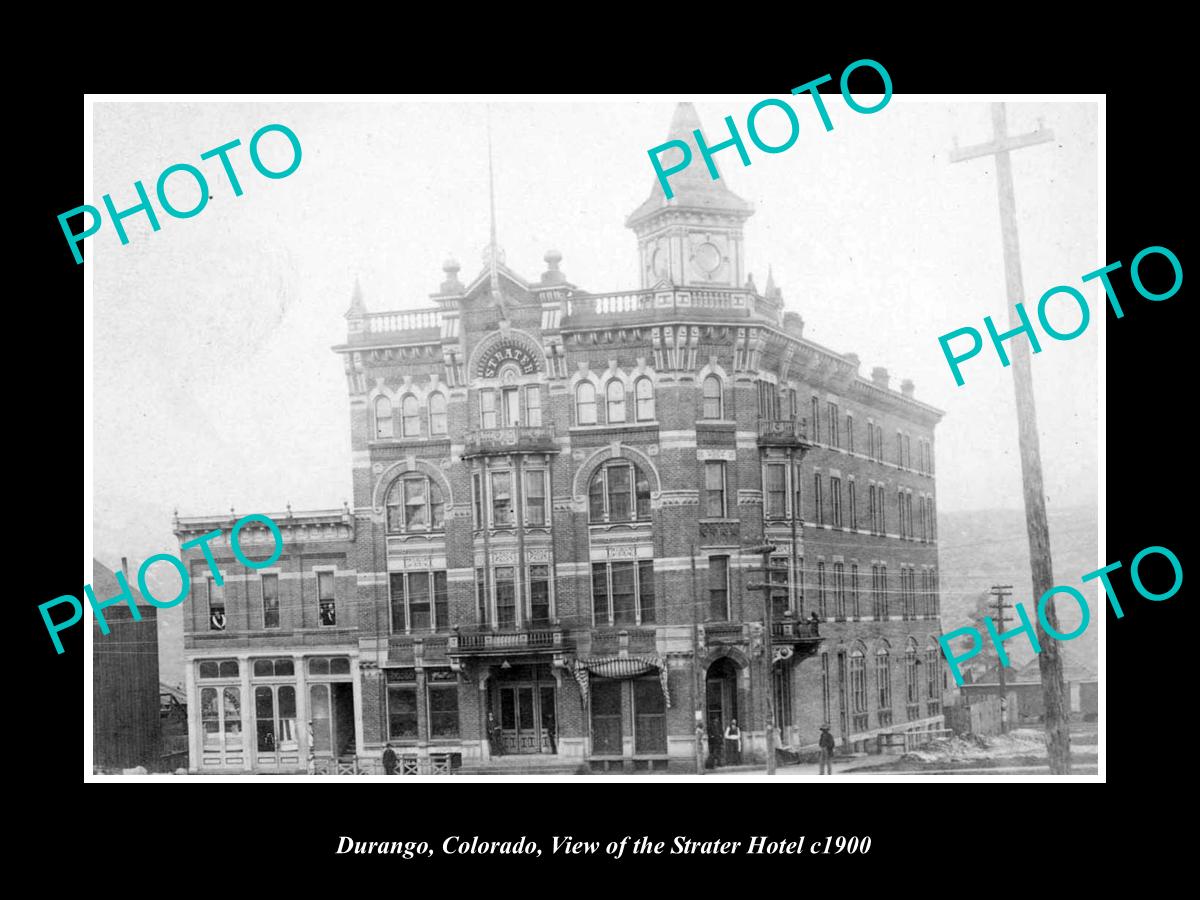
[[558, 438]]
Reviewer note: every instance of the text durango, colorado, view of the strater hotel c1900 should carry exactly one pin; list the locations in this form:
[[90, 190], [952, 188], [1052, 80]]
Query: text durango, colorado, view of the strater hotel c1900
[[555, 492]]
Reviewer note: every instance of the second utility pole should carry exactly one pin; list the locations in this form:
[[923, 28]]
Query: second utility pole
[[1001, 592]]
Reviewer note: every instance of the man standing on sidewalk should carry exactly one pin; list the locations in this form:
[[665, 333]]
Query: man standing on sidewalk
[[826, 744]]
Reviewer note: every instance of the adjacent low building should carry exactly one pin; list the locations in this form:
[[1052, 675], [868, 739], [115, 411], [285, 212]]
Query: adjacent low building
[[546, 555]]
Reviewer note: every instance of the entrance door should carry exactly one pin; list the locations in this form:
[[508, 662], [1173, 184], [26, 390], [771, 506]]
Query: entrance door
[[720, 700], [276, 744], [527, 718], [331, 707]]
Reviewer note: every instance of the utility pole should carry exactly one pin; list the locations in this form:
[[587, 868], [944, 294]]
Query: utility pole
[[1001, 592], [768, 647], [697, 681], [1058, 741]]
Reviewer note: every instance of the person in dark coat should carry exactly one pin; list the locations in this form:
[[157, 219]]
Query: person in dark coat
[[826, 744], [389, 760], [495, 736]]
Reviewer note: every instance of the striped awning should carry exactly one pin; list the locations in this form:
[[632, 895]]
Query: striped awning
[[619, 667]]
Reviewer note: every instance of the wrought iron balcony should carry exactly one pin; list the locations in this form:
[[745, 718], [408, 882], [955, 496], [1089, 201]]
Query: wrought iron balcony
[[783, 433], [804, 637], [503, 643], [511, 439]]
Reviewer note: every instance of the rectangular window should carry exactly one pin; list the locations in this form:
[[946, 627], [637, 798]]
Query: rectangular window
[[879, 442], [714, 489], [780, 599], [883, 591], [270, 597], [399, 607], [441, 602], [831, 411], [477, 497], [216, 605], [623, 594], [620, 491], [506, 598], [776, 490], [510, 400], [899, 449], [850, 432], [325, 597], [816, 420], [600, 593], [922, 517], [481, 597], [402, 712], [854, 589], [415, 503], [835, 500], [443, 711], [870, 439], [533, 405], [502, 507], [718, 588], [418, 601], [821, 609], [535, 497], [487, 409], [646, 590], [796, 481], [839, 590], [900, 511], [853, 509], [818, 501], [782, 685], [649, 717], [539, 596]]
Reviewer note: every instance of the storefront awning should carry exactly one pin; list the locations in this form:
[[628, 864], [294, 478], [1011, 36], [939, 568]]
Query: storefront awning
[[619, 667]]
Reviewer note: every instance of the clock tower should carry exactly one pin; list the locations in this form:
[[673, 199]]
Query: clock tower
[[695, 238]]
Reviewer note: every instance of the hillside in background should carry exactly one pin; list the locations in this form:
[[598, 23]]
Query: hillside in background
[[979, 548]]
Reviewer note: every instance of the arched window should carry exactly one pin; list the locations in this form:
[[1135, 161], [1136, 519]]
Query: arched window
[[933, 684], [414, 503], [619, 492], [858, 688], [883, 682], [645, 399], [912, 684], [410, 415], [383, 417], [616, 401], [585, 404], [712, 397], [437, 413]]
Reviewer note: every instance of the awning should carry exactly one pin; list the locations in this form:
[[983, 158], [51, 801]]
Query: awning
[[619, 667]]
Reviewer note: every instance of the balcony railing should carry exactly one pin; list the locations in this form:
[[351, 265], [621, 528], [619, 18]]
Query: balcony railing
[[734, 301], [511, 439], [782, 432], [409, 320], [485, 643], [795, 630]]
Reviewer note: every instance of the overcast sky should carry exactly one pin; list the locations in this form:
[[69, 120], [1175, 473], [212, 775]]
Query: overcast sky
[[215, 386]]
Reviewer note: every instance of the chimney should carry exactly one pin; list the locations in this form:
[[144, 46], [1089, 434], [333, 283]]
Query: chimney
[[906, 387], [125, 567], [853, 359], [879, 375]]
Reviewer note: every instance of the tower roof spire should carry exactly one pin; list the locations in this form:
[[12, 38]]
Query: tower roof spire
[[493, 251], [693, 187]]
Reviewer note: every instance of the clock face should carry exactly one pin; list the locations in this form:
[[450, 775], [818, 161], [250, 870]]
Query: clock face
[[708, 258], [658, 262]]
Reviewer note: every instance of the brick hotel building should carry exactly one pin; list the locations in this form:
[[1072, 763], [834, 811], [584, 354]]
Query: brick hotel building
[[545, 564]]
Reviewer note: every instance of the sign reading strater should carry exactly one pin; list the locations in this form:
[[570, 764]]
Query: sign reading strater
[[127, 595]]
